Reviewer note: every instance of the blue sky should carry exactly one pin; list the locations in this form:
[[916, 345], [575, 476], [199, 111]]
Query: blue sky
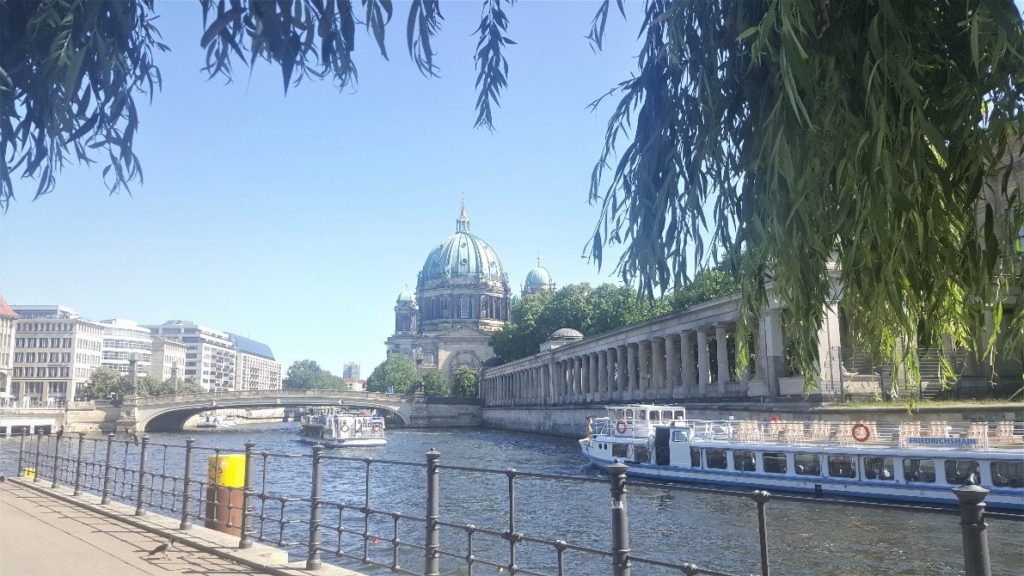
[[296, 220]]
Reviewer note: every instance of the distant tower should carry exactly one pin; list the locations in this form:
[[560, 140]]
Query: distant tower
[[406, 313], [538, 280], [351, 371]]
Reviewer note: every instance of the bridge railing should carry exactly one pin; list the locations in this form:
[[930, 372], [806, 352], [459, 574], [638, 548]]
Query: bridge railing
[[336, 513], [215, 396]]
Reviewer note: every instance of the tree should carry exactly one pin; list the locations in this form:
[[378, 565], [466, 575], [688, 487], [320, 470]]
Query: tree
[[814, 135], [308, 375], [396, 374], [107, 384], [435, 383], [467, 382], [153, 386], [846, 134]]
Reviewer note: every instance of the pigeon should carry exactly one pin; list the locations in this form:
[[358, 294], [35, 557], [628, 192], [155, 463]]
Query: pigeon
[[164, 548]]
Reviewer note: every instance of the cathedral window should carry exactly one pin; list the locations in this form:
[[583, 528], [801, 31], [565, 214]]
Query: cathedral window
[[463, 307]]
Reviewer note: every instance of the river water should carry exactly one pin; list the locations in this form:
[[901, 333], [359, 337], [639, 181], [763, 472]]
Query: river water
[[714, 531]]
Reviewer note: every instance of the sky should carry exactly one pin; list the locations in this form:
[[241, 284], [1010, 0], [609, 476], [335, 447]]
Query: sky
[[297, 219]]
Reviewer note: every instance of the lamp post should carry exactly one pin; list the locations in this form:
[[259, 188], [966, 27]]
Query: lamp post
[[133, 359]]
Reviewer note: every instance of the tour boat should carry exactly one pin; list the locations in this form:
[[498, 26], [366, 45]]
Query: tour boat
[[214, 420], [342, 429], [917, 462]]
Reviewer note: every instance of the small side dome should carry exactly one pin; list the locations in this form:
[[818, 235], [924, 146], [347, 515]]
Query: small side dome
[[539, 277], [566, 334], [406, 297]]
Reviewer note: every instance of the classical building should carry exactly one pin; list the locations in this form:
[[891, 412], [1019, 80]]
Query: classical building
[[255, 366], [55, 352], [462, 297], [7, 325], [210, 357], [125, 341]]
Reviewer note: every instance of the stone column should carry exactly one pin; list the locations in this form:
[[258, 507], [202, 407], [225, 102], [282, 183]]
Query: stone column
[[602, 375], [703, 362], [633, 386], [671, 364], [644, 367], [687, 366], [577, 378], [722, 350], [774, 350], [658, 372], [610, 376], [621, 372]]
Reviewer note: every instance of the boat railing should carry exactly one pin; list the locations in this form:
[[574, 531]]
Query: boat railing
[[936, 434]]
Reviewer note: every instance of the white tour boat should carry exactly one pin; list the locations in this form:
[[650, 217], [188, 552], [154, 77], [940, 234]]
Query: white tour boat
[[342, 429], [909, 462], [214, 420]]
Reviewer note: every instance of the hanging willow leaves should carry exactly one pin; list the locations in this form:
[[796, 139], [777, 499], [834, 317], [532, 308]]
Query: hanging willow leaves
[[872, 139]]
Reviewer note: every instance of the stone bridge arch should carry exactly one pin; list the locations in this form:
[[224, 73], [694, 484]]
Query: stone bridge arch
[[169, 413]]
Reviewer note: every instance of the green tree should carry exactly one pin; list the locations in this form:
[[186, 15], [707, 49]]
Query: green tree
[[152, 386], [852, 135], [435, 383], [397, 373], [308, 375], [107, 384], [467, 383]]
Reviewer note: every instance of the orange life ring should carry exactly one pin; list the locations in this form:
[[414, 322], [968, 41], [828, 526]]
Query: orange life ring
[[776, 419], [860, 432], [620, 427], [376, 426]]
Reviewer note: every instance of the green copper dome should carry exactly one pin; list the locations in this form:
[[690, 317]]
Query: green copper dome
[[539, 277], [463, 255]]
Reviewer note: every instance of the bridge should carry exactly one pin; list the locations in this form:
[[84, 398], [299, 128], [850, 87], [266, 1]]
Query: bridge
[[169, 413]]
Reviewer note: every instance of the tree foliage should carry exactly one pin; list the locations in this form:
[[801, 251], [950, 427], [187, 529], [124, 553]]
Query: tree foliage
[[466, 383], [396, 374], [595, 311], [435, 383], [308, 375], [109, 384], [847, 133]]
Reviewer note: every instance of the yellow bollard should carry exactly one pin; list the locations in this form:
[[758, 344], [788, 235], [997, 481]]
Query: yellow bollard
[[28, 473], [224, 493]]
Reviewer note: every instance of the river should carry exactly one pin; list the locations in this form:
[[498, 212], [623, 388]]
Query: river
[[714, 531]]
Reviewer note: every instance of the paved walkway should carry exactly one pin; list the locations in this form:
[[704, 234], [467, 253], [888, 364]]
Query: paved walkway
[[43, 536], [50, 532]]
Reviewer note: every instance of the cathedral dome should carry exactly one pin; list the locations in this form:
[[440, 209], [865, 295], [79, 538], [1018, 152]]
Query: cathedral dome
[[463, 255], [406, 297], [539, 277]]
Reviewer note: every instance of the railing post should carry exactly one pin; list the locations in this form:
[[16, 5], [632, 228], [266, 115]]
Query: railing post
[[78, 464], [105, 498], [39, 447], [620, 520], [313, 557], [973, 526], [56, 459], [21, 449], [186, 522], [139, 510], [246, 540], [762, 497], [432, 544]]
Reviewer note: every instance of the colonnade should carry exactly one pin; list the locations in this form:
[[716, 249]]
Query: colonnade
[[677, 357]]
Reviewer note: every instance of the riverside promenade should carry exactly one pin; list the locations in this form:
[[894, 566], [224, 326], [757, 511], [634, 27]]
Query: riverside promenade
[[44, 532]]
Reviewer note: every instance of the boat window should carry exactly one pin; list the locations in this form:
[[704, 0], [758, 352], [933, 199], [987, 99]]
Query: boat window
[[715, 458], [744, 460], [1008, 474], [641, 453], [680, 415], [775, 462], [629, 414], [918, 470], [842, 466], [619, 450], [807, 464], [666, 415], [878, 468], [682, 435], [694, 457], [962, 472]]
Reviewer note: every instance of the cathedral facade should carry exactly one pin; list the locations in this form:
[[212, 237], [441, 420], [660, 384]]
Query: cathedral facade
[[462, 297]]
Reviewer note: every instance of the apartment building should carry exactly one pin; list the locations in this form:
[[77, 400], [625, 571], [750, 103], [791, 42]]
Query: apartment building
[[125, 341], [168, 359], [255, 366], [8, 320], [55, 352], [209, 357]]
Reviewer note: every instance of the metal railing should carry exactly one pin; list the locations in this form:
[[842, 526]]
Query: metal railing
[[339, 520]]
